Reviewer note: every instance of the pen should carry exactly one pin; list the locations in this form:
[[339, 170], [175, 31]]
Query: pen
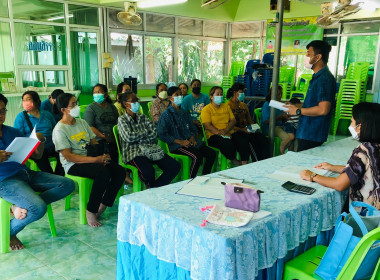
[[205, 181]]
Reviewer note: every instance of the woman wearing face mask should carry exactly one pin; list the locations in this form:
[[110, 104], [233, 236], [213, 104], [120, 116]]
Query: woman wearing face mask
[[122, 87], [219, 123], [72, 138], [44, 122], [138, 139], [160, 104], [362, 172], [176, 128], [258, 141]]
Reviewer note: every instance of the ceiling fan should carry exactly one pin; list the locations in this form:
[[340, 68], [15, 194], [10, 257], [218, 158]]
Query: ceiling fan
[[343, 9], [211, 4]]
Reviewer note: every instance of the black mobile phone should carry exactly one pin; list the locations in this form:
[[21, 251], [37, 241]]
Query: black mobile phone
[[293, 187]]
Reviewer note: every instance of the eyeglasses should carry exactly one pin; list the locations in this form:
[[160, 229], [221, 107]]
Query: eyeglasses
[[3, 111], [73, 105]]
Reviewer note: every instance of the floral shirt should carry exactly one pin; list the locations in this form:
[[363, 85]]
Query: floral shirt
[[157, 108], [363, 170]]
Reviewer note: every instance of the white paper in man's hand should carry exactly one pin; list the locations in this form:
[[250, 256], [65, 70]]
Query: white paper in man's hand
[[33, 134], [278, 105]]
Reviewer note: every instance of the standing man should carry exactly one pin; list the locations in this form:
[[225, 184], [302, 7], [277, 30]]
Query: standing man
[[315, 113]]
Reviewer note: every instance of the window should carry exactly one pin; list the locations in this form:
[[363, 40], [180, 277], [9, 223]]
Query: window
[[245, 50], [158, 23], [44, 79], [246, 30], [190, 26], [83, 15], [127, 53], [158, 60], [38, 10], [213, 58], [189, 60], [360, 27], [6, 58], [38, 44], [3, 8], [214, 29]]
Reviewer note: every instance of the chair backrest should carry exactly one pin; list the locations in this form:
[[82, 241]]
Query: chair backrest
[[303, 82], [82, 110], [258, 115], [287, 75], [237, 68], [357, 256], [149, 105], [116, 133]]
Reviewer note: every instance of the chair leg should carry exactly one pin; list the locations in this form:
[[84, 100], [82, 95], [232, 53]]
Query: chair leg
[[136, 181], [67, 202], [185, 169], [51, 221], [4, 225], [223, 163], [82, 203]]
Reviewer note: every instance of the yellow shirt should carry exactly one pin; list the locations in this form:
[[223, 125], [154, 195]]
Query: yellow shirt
[[218, 117], [119, 108]]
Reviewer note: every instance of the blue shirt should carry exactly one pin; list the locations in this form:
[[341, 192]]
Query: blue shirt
[[47, 106], [44, 124], [8, 169], [173, 125], [195, 105], [322, 87], [265, 115]]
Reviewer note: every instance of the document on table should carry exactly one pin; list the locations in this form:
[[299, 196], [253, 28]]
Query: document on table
[[207, 187], [23, 147], [292, 173], [278, 105]]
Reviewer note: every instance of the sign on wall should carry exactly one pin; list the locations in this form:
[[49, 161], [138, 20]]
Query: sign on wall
[[40, 46], [296, 34]]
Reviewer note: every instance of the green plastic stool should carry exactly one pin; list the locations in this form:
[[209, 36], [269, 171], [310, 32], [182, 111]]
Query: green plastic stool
[[5, 224]]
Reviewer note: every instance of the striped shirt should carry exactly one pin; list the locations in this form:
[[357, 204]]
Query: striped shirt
[[133, 133]]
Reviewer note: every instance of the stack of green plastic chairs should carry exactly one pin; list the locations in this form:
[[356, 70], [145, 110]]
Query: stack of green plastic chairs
[[286, 80], [302, 86], [348, 95], [237, 68], [227, 82], [359, 71]]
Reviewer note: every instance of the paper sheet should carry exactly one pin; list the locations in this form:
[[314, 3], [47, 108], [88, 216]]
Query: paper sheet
[[292, 173], [278, 105], [23, 147], [207, 187]]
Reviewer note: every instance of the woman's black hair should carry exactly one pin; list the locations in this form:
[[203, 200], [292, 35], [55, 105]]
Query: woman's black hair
[[119, 90], [4, 99], [195, 80], [35, 97], [63, 101], [213, 89], [172, 90], [125, 96], [235, 87], [57, 92], [158, 85], [184, 85], [105, 90], [368, 115], [269, 94]]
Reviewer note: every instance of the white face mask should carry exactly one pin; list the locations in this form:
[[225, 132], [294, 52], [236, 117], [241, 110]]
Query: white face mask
[[75, 111], [306, 62], [353, 132], [163, 94]]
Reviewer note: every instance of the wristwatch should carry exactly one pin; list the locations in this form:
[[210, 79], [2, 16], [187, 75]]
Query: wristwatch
[[313, 174], [298, 112]]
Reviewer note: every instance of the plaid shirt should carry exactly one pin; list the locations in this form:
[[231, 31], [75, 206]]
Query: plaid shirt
[[157, 108], [133, 133]]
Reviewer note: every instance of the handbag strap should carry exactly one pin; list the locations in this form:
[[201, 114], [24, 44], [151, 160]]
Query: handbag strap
[[358, 220], [341, 218], [28, 121], [370, 208]]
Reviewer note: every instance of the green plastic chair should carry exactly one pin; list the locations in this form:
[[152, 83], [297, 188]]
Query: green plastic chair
[[82, 110], [149, 105], [303, 266], [237, 68], [286, 80], [301, 88], [5, 224], [184, 160], [32, 165], [277, 140]]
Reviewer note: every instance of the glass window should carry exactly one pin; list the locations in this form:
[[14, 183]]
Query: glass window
[[158, 23], [215, 29], [40, 10], [4, 8], [189, 60], [333, 41], [83, 15], [127, 53], [190, 26], [38, 44], [6, 58], [363, 27], [56, 78], [33, 79], [213, 58], [115, 23], [242, 30], [245, 50], [357, 48], [158, 60]]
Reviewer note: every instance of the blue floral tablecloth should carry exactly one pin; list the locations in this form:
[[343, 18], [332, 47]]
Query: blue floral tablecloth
[[168, 225]]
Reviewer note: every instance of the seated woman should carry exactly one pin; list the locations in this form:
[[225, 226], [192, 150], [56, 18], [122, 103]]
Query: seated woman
[[138, 137], [184, 89], [47, 105], [281, 117], [18, 184], [258, 141], [160, 104], [219, 123], [176, 128], [362, 172], [72, 138], [122, 87], [44, 122]]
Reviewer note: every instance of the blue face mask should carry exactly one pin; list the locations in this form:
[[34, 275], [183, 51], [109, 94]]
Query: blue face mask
[[178, 100], [98, 97], [241, 96], [135, 107], [218, 100]]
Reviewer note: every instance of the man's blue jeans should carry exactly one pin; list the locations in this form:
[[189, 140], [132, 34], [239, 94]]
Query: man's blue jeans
[[20, 189]]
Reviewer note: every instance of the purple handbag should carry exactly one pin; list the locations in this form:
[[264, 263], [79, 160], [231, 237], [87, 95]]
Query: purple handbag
[[241, 196]]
